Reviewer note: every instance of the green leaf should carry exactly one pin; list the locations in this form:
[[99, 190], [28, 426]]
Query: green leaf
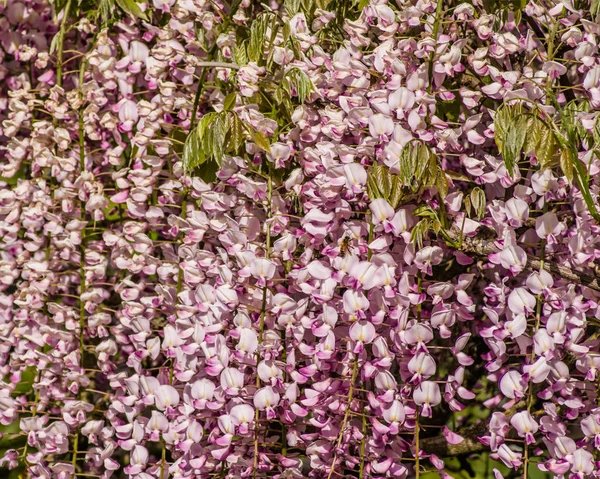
[[384, 180], [210, 140], [286, 31], [419, 231], [534, 131], [566, 164], [291, 7], [372, 187], [441, 183], [54, 43], [131, 7], [513, 142], [295, 83], [422, 161], [59, 5], [424, 211], [582, 183], [105, 9], [258, 33], [236, 133], [396, 194], [260, 139], [208, 171], [502, 119], [595, 8], [468, 205], [240, 55], [230, 101], [454, 175], [418, 166], [407, 164], [478, 201], [216, 136], [546, 148], [234, 7], [192, 153]]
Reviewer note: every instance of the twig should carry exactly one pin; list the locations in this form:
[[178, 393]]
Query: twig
[[232, 66], [441, 447], [484, 247]]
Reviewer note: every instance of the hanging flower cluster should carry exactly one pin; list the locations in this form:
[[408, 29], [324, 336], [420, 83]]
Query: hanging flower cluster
[[299, 239]]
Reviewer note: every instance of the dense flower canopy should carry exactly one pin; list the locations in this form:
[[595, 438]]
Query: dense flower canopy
[[316, 238]]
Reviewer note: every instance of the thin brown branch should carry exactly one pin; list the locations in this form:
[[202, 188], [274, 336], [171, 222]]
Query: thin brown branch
[[483, 246], [232, 66]]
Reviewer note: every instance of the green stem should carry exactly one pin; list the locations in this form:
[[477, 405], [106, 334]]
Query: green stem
[[263, 314], [363, 447], [538, 315], [417, 445], [82, 283], [436, 29], [349, 399], [199, 91], [61, 38]]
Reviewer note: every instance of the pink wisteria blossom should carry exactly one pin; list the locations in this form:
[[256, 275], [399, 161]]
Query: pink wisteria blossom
[[299, 239]]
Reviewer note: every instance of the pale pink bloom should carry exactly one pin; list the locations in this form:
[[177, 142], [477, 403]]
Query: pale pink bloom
[[509, 457], [203, 391], [355, 302], [525, 425], [172, 338], [543, 343], [394, 415], [520, 301], [547, 225], [427, 394], [385, 381], [138, 459], [563, 447], [157, 424], [166, 396], [262, 268], [451, 436], [421, 365], [381, 211], [128, 114], [592, 78], [590, 426], [400, 224], [366, 273], [380, 126], [266, 398], [356, 177], [427, 257], [511, 385], [268, 370], [517, 212], [539, 281], [279, 153], [583, 463], [138, 51], [513, 258], [242, 416], [363, 332], [543, 181], [248, 341], [318, 270], [538, 371], [402, 99], [517, 326], [232, 380]]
